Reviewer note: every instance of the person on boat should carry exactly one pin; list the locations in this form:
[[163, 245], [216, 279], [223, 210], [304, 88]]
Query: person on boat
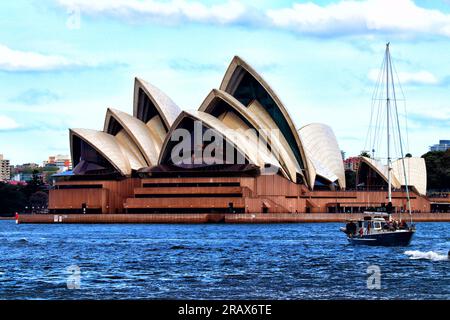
[[368, 227], [395, 225], [388, 225], [351, 228], [361, 231]]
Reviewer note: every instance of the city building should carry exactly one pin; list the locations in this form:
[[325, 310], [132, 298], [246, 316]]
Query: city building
[[24, 172], [63, 162], [352, 163], [5, 169], [442, 146], [240, 152]]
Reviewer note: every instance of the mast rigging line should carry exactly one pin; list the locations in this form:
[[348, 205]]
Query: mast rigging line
[[384, 115]]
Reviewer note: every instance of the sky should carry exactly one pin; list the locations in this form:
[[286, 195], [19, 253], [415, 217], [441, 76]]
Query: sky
[[63, 62]]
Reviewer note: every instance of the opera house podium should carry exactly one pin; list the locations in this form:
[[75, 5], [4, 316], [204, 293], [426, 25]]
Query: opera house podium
[[138, 165]]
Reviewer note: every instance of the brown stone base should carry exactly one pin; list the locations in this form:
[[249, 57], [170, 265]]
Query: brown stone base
[[214, 218]]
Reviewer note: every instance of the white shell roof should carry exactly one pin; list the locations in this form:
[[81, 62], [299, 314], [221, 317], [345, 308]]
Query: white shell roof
[[323, 151], [416, 173], [382, 170], [138, 131], [226, 82], [167, 109], [289, 165], [106, 145]]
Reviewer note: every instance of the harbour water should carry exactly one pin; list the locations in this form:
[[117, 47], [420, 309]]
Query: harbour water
[[217, 261]]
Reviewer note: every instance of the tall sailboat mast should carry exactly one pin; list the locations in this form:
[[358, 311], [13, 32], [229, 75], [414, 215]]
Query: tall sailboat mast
[[390, 81], [388, 62]]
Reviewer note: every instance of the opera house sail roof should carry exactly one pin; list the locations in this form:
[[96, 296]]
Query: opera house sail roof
[[415, 169], [247, 86], [236, 116], [118, 123], [127, 142], [323, 151], [96, 151], [416, 173], [244, 112]]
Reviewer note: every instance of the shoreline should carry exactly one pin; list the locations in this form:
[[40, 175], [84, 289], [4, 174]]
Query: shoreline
[[213, 218]]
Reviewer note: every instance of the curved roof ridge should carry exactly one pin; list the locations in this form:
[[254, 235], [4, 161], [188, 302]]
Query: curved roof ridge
[[105, 144], [138, 131], [382, 170], [228, 82], [166, 108], [314, 123], [290, 166]]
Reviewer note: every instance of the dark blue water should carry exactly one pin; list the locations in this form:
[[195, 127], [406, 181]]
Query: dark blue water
[[283, 261]]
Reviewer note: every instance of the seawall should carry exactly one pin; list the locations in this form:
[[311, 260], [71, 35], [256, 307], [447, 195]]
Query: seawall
[[214, 218]]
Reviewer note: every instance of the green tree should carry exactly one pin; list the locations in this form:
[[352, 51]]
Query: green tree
[[12, 198], [364, 154], [36, 184], [438, 169], [350, 179], [39, 200]]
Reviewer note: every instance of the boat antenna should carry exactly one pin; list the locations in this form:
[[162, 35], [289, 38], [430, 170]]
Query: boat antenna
[[408, 199]]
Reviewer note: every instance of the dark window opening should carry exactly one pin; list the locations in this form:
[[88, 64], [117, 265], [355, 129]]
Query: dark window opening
[[146, 110], [87, 160], [114, 126]]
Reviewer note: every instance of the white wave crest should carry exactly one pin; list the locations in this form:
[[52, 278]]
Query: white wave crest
[[430, 255]]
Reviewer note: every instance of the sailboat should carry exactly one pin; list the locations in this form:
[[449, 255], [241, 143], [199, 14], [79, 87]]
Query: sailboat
[[378, 228]]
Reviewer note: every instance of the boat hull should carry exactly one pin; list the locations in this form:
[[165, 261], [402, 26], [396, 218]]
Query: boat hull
[[387, 239]]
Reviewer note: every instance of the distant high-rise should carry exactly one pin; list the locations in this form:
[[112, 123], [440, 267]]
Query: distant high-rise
[[5, 169], [442, 146], [62, 161]]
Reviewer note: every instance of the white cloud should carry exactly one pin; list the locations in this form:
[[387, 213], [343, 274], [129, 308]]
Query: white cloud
[[368, 17], [401, 17], [421, 77], [169, 11], [405, 78], [16, 60], [7, 123]]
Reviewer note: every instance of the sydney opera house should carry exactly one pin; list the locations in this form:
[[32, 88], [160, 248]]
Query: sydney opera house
[[240, 152]]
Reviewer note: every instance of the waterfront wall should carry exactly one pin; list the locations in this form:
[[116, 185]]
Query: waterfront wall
[[214, 218]]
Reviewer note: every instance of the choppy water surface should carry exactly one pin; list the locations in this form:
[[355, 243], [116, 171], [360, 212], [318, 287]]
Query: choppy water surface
[[277, 261]]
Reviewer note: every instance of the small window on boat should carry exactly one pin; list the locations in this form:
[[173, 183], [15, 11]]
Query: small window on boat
[[377, 225]]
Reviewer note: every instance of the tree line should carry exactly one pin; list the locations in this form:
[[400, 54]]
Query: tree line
[[30, 197]]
